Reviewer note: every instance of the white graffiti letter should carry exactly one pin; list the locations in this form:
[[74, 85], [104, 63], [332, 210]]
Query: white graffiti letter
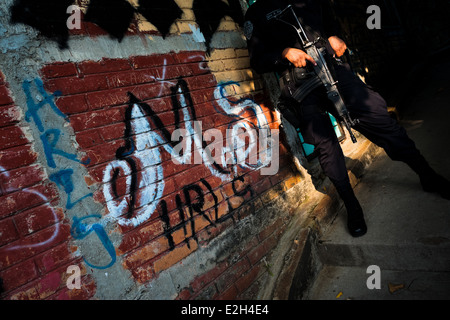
[[148, 170]]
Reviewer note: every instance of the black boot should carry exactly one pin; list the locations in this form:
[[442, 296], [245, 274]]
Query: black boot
[[436, 184], [429, 179], [355, 217]]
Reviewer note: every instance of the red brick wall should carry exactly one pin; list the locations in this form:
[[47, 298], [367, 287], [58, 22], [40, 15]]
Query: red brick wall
[[195, 206], [34, 233]]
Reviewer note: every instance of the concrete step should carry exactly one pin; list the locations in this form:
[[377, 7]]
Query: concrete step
[[350, 283], [408, 239], [408, 229]]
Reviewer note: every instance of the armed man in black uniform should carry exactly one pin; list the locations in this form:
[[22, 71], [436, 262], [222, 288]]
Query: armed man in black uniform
[[275, 46]]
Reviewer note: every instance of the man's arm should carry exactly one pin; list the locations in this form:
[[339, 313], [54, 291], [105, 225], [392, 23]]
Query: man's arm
[[338, 45]]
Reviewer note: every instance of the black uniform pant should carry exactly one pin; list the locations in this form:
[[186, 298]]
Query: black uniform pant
[[364, 104]]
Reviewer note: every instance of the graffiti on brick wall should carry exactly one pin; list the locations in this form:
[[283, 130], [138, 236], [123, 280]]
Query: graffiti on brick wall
[[51, 136], [115, 16], [140, 162], [194, 195], [81, 230], [37, 98], [4, 175], [134, 183]]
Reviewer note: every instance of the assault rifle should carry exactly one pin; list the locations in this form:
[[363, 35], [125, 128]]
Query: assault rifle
[[322, 72]]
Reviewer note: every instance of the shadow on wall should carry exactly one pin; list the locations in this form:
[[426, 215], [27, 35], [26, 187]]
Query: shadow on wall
[[115, 17]]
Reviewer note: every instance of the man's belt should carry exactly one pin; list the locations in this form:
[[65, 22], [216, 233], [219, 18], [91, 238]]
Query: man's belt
[[309, 85], [307, 81]]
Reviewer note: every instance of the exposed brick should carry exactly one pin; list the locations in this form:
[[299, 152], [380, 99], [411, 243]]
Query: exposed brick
[[229, 294], [281, 175], [8, 232], [89, 138], [97, 172], [139, 62], [9, 115], [57, 70], [51, 259], [199, 68], [12, 137], [112, 132], [201, 82], [235, 202], [141, 236], [174, 256], [90, 120], [202, 96], [292, 181], [261, 186], [191, 176], [146, 253], [270, 229], [131, 78], [271, 194], [87, 291], [74, 85], [208, 293], [230, 275], [36, 219], [23, 199], [23, 177], [72, 104], [104, 65], [208, 277], [150, 91], [172, 72], [245, 210], [143, 273], [210, 201], [257, 253], [182, 234], [49, 284], [184, 294], [94, 30], [19, 275], [17, 157], [222, 209], [106, 153], [35, 243], [204, 110], [5, 97], [109, 98], [27, 292]]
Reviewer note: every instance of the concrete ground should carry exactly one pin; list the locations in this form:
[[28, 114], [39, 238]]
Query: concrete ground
[[408, 230]]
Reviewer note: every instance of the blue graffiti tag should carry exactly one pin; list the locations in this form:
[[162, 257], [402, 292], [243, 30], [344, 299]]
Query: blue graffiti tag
[[63, 178], [33, 107], [49, 140], [80, 230]]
